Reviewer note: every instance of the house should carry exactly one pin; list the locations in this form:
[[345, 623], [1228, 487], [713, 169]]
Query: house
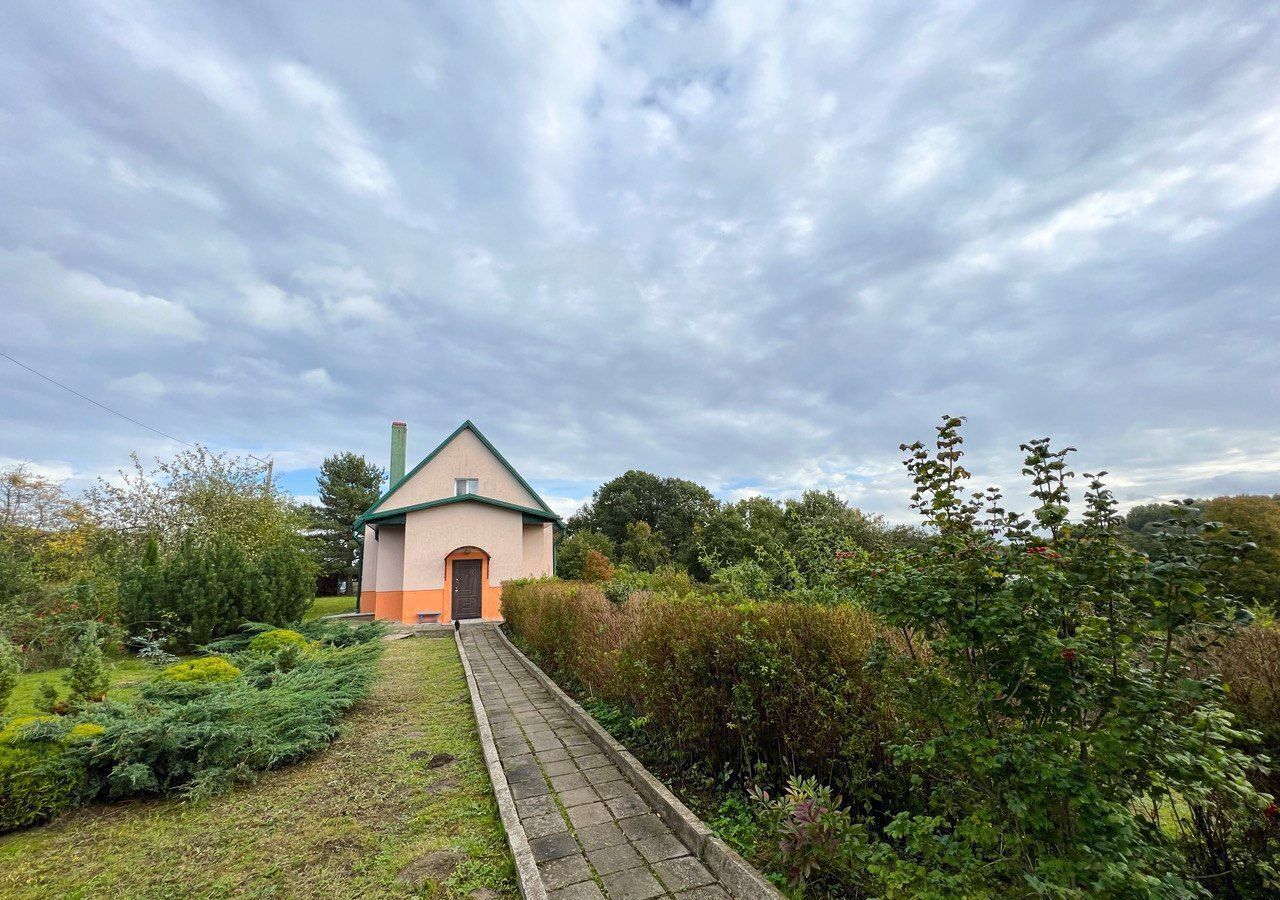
[[439, 543]]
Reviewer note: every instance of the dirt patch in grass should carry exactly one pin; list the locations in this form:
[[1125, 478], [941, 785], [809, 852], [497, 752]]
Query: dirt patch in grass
[[342, 824]]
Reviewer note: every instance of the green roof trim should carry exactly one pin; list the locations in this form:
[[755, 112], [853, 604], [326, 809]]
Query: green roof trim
[[546, 512], [400, 511]]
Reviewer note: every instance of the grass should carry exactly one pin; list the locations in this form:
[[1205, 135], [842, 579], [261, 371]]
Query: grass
[[342, 824], [328, 606], [125, 672]]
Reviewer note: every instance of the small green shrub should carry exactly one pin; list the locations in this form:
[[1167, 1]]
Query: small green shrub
[[85, 731], [15, 729], [88, 677], [10, 668], [38, 780], [207, 670], [278, 640]]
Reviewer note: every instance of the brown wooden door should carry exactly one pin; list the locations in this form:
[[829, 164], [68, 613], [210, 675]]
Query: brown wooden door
[[466, 588]]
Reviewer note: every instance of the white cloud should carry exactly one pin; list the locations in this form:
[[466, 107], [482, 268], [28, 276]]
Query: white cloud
[[78, 298], [141, 386], [754, 244], [347, 149]]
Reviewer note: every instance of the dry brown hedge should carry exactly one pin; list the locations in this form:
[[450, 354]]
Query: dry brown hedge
[[728, 684]]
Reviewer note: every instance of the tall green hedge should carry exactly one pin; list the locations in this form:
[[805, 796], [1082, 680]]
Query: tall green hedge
[[205, 590]]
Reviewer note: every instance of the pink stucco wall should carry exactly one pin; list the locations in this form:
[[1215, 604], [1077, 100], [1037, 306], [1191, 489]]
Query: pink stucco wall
[[465, 457]]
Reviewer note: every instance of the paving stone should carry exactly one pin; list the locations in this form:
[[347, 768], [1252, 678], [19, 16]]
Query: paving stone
[[520, 760], [624, 807], [619, 788], [543, 805], [682, 873], [710, 892], [640, 827], [577, 751], [522, 790], [589, 814], [562, 872], [632, 884], [606, 834], [553, 846], [527, 771], [540, 826], [583, 890], [570, 782], [553, 755], [593, 761], [560, 767], [608, 860], [578, 797], [664, 846], [601, 774]]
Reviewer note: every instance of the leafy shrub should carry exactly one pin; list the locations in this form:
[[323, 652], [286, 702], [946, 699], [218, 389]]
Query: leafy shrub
[[571, 555], [596, 567], [205, 590], [206, 670], [10, 668], [816, 838], [1061, 714]]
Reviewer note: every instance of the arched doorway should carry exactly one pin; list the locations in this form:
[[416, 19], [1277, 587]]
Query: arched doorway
[[467, 576]]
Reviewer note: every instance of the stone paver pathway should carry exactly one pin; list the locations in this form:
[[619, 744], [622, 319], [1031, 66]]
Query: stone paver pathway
[[591, 833]]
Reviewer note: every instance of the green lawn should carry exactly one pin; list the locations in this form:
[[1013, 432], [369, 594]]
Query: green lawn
[[125, 672], [342, 824], [328, 606]]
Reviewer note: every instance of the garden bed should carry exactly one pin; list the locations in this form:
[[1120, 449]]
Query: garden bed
[[346, 822]]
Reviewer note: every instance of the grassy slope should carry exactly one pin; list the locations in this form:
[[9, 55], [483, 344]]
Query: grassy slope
[[125, 672], [339, 825], [327, 606]]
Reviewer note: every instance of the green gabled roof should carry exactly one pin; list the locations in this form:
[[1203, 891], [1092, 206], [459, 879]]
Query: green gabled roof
[[546, 512], [399, 511]]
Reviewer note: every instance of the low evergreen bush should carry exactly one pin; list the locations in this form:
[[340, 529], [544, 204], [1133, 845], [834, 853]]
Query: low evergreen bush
[[206, 670], [199, 727], [278, 640], [38, 777]]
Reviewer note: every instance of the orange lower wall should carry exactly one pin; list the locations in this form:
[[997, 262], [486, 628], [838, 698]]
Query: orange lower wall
[[404, 606]]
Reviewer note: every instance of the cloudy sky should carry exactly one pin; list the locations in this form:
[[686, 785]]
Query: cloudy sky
[[755, 244]]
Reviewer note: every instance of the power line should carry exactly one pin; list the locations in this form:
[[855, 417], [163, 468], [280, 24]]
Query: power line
[[114, 412], [270, 464]]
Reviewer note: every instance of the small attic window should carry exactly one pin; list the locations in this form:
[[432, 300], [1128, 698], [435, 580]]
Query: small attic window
[[466, 486]]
